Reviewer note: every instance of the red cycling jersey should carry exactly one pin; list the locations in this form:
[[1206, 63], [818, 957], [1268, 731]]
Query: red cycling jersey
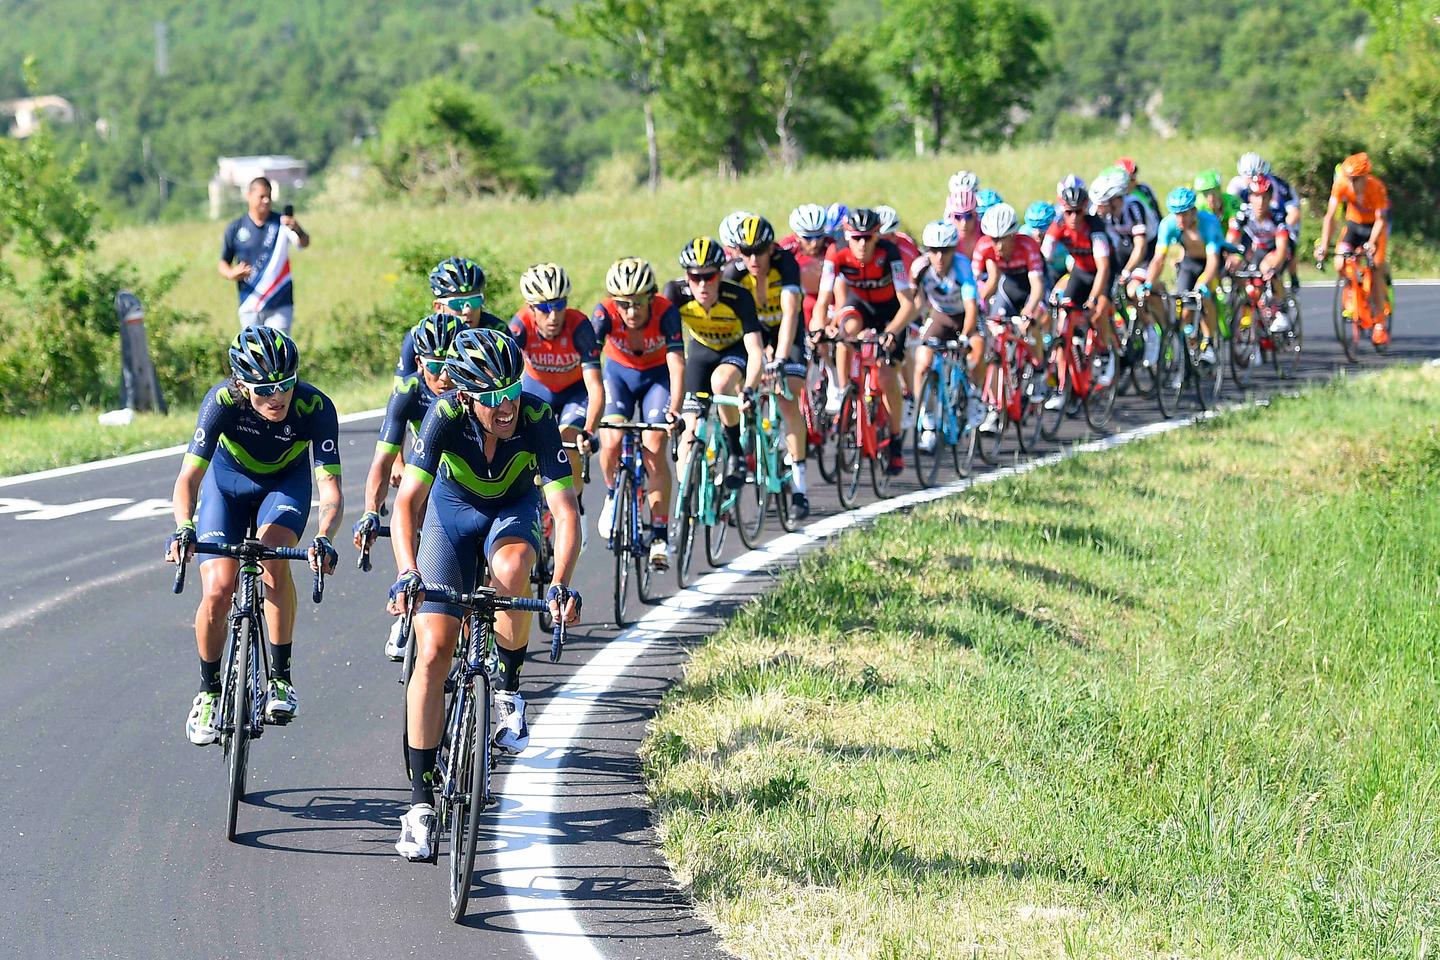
[[642, 349], [1024, 257], [1084, 241], [874, 281], [909, 249], [556, 363]]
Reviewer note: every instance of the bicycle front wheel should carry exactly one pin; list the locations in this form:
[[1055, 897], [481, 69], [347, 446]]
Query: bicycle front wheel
[[717, 506], [1288, 344], [1244, 345], [880, 463], [1342, 314], [1057, 382], [1209, 379], [1172, 371], [639, 557], [1032, 405], [928, 437], [687, 520], [752, 496], [470, 786], [620, 544], [820, 430], [847, 449], [242, 648]]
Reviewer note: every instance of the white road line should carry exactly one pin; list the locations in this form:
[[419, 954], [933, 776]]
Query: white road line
[[527, 867], [141, 457], [15, 617]]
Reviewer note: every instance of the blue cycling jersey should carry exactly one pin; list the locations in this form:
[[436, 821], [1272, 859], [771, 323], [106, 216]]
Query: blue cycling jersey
[[451, 450], [409, 401], [408, 366], [257, 447], [1207, 224]]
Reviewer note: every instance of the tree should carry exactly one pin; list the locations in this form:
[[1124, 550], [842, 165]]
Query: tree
[[962, 65]]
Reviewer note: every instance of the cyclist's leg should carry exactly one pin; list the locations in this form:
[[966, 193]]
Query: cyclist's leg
[[510, 547], [700, 364], [279, 522], [794, 370], [227, 499], [571, 406], [1380, 289], [727, 378], [620, 395], [654, 406]]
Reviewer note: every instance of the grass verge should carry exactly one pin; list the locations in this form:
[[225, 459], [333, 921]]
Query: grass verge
[[47, 440], [1179, 699]]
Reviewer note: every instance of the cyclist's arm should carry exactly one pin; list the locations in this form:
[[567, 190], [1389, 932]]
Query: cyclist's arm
[[558, 488], [1101, 286], [387, 447], [673, 333], [1037, 292], [754, 358], [332, 504], [594, 396], [1377, 232], [1327, 225], [217, 412], [905, 314], [988, 285], [791, 304], [1137, 253], [820, 316], [187, 490], [444, 416]]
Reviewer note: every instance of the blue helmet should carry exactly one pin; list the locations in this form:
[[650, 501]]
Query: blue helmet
[[1040, 215], [985, 199], [1180, 200], [835, 215]]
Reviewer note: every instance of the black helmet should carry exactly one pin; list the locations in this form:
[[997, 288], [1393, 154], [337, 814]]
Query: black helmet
[[754, 232], [700, 253], [456, 275], [1073, 197], [434, 335], [862, 220], [482, 360], [263, 355]]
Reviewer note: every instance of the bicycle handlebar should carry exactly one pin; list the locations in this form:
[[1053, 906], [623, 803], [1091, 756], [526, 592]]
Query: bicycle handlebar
[[362, 562], [487, 597], [258, 552], [636, 426]]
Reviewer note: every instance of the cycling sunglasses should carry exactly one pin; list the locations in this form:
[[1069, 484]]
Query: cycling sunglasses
[[493, 398], [705, 277], [270, 389], [472, 301], [434, 366], [552, 306], [968, 215], [753, 251], [634, 304], [859, 236]]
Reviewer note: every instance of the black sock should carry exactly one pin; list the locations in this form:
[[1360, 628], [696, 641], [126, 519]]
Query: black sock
[[732, 436], [660, 531], [210, 676], [280, 661], [422, 775], [510, 662]]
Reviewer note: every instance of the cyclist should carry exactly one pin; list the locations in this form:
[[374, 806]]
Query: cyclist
[[476, 461], [1134, 187], [1199, 235], [772, 276], [1132, 227], [946, 298], [960, 209], [1038, 217], [1367, 226], [1211, 197], [835, 215], [645, 366], [247, 464], [562, 361], [410, 400], [890, 230], [1259, 230], [874, 294], [729, 233], [458, 285], [808, 242], [1251, 164], [985, 199], [1014, 281], [1088, 244], [726, 350]]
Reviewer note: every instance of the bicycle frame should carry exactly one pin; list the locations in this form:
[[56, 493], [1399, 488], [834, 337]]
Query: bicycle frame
[[865, 376], [1073, 368], [953, 381], [771, 469]]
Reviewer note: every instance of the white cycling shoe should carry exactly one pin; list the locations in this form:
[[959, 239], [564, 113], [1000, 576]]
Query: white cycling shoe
[[395, 644], [992, 422], [512, 735], [417, 833], [200, 724], [607, 515], [282, 703], [659, 554]]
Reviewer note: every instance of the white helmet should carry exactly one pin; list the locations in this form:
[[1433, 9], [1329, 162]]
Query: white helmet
[[964, 180], [729, 231], [629, 277], [544, 281], [999, 221], [1108, 186], [808, 220], [1250, 164], [940, 233], [889, 218]]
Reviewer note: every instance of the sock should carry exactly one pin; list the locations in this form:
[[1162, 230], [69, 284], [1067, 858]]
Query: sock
[[732, 436], [660, 530], [280, 661], [797, 478], [210, 676], [510, 663], [422, 775]]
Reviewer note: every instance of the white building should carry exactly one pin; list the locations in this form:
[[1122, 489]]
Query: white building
[[27, 113], [235, 173]]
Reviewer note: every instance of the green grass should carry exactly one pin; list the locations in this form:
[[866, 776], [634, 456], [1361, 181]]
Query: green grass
[[48, 440], [1180, 699]]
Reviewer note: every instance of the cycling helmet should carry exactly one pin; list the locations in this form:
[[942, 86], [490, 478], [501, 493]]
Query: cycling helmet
[[630, 277], [862, 220], [434, 335], [754, 231], [1073, 196], [985, 199], [1260, 184], [456, 275], [808, 220], [835, 215], [263, 355], [1251, 164], [483, 359], [999, 221], [961, 201], [1355, 165], [1207, 180], [729, 231], [1128, 165], [700, 253], [1108, 186], [1071, 180], [1180, 200], [940, 234], [964, 180], [544, 282], [889, 218], [1039, 215]]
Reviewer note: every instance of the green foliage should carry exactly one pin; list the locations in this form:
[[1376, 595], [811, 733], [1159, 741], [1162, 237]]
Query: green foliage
[[440, 143]]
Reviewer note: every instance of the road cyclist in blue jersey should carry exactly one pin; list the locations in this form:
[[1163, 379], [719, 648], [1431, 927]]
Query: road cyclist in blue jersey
[[458, 286], [249, 463], [948, 301], [1199, 235], [410, 399], [473, 478]]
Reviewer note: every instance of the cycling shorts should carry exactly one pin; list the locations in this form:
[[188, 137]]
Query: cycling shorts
[[1078, 287], [795, 365], [702, 361], [456, 532], [875, 316], [627, 386], [1356, 235], [570, 405], [1186, 273], [1010, 296], [941, 325], [230, 498]]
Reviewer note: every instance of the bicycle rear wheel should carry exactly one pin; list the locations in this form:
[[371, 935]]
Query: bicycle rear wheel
[[1057, 381], [1289, 343], [751, 498], [1244, 345], [847, 449], [1172, 371], [928, 440], [242, 648], [620, 544], [687, 519], [1100, 401], [960, 451]]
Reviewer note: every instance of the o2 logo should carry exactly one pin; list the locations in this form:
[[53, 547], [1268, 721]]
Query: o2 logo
[[328, 446], [199, 435]]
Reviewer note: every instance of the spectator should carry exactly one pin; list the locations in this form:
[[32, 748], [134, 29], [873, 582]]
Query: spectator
[[256, 255]]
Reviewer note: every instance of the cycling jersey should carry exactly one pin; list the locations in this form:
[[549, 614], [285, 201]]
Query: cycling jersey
[[875, 281], [450, 452], [408, 366], [1135, 222], [410, 400], [1024, 258], [723, 325], [909, 249], [1280, 191], [555, 363], [1373, 200], [784, 275], [810, 267], [642, 349], [1206, 225], [1086, 240], [254, 446], [947, 294], [1257, 233], [1146, 195]]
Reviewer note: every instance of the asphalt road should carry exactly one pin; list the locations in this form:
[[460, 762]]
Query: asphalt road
[[114, 823]]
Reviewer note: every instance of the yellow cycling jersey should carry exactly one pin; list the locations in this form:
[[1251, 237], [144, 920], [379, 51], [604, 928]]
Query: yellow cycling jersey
[[724, 324], [784, 275]]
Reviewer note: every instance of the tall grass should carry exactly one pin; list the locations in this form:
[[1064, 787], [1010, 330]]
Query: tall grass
[[1176, 700]]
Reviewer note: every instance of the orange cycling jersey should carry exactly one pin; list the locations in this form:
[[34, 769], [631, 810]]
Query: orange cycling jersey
[[1372, 199], [557, 362]]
